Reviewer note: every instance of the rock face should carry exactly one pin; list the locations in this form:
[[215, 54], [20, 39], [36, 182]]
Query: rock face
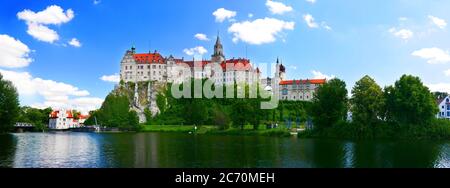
[[142, 96]]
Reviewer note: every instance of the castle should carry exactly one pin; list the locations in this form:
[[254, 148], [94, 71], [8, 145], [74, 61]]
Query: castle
[[157, 69], [141, 67]]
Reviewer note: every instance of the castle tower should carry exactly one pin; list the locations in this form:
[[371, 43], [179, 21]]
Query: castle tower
[[218, 55], [280, 70]]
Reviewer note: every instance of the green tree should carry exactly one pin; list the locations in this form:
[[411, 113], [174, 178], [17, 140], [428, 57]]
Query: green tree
[[9, 105], [196, 112], [241, 109], [409, 102], [115, 112], [367, 102], [329, 105]]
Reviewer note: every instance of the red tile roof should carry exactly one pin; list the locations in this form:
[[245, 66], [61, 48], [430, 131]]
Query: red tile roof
[[54, 114], [149, 58], [313, 81]]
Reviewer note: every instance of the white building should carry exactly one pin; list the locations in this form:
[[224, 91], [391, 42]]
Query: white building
[[292, 90], [62, 120], [444, 108], [154, 67]]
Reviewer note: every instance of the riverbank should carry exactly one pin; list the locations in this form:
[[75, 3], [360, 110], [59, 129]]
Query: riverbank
[[436, 130], [214, 130]]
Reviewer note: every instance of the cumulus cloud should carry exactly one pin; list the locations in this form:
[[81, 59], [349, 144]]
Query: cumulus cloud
[[404, 34], [309, 19], [311, 1], [277, 7], [38, 22], [201, 36], [55, 94], [319, 75], [439, 87], [441, 23], [259, 31], [433, 55], [222, 14], [51, 15], [111, 78], [75, 43], [13, 53], [199, 50], [42, 33]]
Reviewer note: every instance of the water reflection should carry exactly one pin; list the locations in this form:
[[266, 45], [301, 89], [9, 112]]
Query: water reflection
[[183, 150]]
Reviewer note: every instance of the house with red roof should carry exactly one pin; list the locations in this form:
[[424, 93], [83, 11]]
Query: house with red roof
[[64, 120]]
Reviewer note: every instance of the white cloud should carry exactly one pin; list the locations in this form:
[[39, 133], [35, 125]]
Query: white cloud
[[259, 31], [201, 36], [51, 15], [309, 19], [319, 75], [55, 94], [326, 26], [111, 78], [13, 53], [441, 23], [277, 7], [250, 15], [75, 43], [447, 72], [199, 50], [96, 2], [441, 87], [433, 55], [311, 1], [402, 19], [42, 33], [222, 14], [404, 34], [38, 22]]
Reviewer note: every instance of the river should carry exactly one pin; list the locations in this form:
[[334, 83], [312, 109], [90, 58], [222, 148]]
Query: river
[[153, 150]]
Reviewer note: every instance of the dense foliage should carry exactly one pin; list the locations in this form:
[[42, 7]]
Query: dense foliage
[[367, 104], [405, 110], [36, 117], [223, 112], [115, 112], [329, 104], [9, 105]]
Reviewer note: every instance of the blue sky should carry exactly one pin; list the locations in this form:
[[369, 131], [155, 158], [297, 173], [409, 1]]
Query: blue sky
[[347, 39]]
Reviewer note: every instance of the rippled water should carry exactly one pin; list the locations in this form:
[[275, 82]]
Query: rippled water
[[91, 150]]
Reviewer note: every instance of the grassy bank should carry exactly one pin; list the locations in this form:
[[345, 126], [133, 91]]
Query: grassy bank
[[435, 130], [214, 130]]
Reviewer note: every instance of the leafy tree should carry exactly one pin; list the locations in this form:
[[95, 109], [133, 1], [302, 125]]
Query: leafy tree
[[196, 112], [367, 102], [241, 110], [329, 104], [409, 102], [115, 112], [9, 105]]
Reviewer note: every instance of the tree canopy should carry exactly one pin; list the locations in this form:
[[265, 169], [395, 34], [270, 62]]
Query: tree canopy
[[329, 105], [9, 105]]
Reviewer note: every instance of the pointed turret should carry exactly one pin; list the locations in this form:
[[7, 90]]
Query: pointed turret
[[218, 55]]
